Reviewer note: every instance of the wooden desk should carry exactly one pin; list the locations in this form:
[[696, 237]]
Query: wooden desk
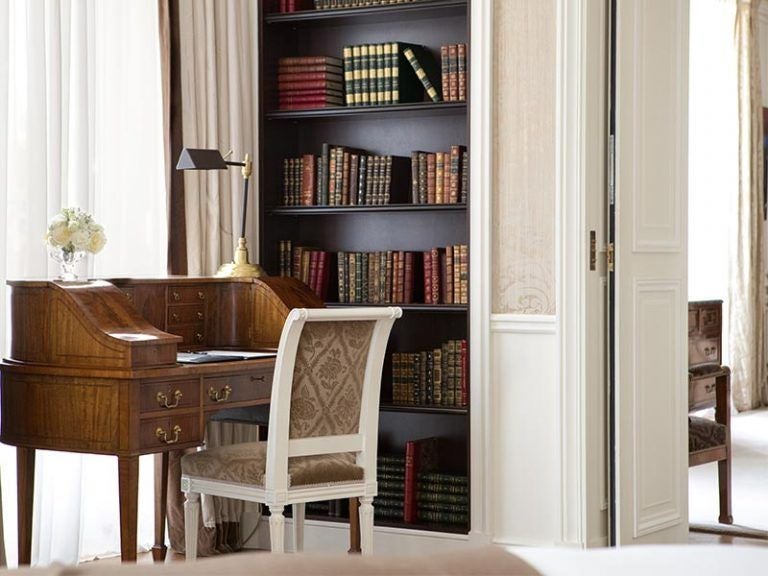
[[705, 351], [93, 369]]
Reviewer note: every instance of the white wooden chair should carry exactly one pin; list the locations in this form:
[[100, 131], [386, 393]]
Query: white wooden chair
[[323, 426]]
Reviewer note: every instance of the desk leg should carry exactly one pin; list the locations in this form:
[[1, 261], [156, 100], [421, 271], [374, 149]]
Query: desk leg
[[25, 478], [128, 473], [354, 526], [161, 500]]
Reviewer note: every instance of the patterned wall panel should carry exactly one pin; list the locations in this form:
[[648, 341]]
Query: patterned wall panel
[[523, 220]]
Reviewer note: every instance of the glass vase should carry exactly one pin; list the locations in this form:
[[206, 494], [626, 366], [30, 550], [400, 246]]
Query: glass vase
[[67, 260]]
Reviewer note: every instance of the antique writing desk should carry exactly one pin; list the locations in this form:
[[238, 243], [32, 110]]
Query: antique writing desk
[[93, 369]]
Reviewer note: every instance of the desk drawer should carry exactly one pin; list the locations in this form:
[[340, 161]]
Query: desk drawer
[[701, 394], [187, 294], [710, 320], [170, 395], [186, 314], [193, 335], [170, 430], [703, 351], [256, 385]]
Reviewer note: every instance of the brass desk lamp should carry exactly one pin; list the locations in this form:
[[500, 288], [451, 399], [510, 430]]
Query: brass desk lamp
[[200, 159]]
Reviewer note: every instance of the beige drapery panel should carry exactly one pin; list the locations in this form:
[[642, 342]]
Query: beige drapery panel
[[216, 105], [218, 111], [747, 276]]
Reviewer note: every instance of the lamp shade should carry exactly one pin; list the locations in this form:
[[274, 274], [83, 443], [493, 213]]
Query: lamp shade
[[200, 159]]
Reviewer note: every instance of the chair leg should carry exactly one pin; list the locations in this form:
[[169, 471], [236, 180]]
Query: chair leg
[[724, 481], [277, 529], [366, 525], [191, 519], [298, 527]]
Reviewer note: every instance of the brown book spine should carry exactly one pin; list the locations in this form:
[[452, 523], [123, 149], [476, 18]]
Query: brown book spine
[[447, 178], [457, 274], [345, 179], [286, 182], [375, 284], [449, 275], [461, 69], [455, 169], [464, 177], [415, 177], [464, 274], [354, 177], [431, 177], [395, 279], [370, 178], [332, 177], [305, 262], [322, 275], [387, 186], [453, 65], [339, 175], [428, 277], [308, 180], [389, 276], [313, 264], [435, 272], [408, 278]]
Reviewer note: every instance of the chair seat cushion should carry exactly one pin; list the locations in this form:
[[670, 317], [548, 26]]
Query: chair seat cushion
[[246, 464], [704, 433]]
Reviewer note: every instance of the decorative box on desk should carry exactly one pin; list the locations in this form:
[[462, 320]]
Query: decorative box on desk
[[90, 372]]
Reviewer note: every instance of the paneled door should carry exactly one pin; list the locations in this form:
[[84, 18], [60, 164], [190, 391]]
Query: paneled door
[[649, 281]]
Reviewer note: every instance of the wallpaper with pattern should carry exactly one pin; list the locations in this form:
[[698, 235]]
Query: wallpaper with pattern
[[523, 196]]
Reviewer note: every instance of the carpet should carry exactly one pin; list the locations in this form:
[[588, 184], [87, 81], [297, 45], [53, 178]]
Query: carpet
[[749, 497]]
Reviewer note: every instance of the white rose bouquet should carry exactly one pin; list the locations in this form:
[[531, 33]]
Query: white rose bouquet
[[73, 230]]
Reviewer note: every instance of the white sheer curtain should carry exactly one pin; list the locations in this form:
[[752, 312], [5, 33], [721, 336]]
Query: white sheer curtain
[[80, 125]]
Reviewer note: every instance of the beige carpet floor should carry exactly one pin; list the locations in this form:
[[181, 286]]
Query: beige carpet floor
[[749, 439]]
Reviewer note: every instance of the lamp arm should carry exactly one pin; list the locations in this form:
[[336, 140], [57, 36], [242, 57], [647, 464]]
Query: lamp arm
[[245, 205]]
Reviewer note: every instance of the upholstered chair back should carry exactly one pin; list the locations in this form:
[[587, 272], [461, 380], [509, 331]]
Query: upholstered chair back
[[328, 378]]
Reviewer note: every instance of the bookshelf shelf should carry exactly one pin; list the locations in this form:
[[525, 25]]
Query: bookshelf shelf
[[321, 210], [388, 13], [401, 110], [307, 240]]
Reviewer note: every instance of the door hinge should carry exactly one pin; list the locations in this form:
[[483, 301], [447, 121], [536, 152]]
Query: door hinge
[[610, 256]]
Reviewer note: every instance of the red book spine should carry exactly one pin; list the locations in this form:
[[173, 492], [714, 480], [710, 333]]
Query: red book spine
[[464, 393], [291, 6], [408, 278], [296, 68], [308, 179], [300, 84], [428, 277], [332, 177], [299, 76], [411, 472], [306, 105], [311, 92], [323, 275], [453, 72], [309, 99], [283, 5], [401, 277], [306, 60]]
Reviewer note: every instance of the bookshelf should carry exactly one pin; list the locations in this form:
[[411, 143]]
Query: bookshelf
[[389, 129]]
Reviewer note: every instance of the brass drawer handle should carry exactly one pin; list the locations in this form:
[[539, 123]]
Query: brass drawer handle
[[709, 388], [219, 395], [162, 399], [162, 435], [175, 317], [199, 337], [257, 378], [201, 295], [176, 296], [199, 315]]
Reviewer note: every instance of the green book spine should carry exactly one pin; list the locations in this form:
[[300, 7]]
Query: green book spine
[[364, 279], [440, 497], [387, 72], [359, 278], [357, 76], [351, 277], [341, 264], [394, 71], [362, 177], [365, 88], [446, 517], [373, 82], [349, 76], [440, 478], [421, 74], [380, 97]]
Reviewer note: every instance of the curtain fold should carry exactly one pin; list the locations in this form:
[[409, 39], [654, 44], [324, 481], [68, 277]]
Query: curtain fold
[[217, 112], [747, 275], [80, 125]]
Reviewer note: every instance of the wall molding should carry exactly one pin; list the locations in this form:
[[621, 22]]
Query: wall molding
[[523, 323]]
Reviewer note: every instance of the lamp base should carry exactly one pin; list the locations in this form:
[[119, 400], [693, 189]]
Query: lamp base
[[240, 268]]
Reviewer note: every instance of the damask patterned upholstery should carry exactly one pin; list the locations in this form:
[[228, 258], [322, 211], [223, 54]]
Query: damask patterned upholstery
[[246, 464], [328, 378], [704, 433]]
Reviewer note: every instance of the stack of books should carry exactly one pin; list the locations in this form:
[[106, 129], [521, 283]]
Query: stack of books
[[309, 82], [440, 177], [286, 6], [453, 68], [390, 476], [378, 277], [435, 377], [442, 498], [446, 275], [389, 73]]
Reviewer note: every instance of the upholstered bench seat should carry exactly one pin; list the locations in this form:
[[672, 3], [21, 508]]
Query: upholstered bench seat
[[704, 433], [246, 464]]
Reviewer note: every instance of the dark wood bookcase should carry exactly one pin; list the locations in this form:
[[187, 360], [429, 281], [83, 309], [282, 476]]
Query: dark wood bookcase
[[396, 129]]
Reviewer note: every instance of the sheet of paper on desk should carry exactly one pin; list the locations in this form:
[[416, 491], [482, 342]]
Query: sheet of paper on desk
[[207, 356], [245, 354]]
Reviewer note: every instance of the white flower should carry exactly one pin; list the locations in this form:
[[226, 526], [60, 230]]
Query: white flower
[[72, 230]]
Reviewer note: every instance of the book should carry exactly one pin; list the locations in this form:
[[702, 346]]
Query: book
[[453, 66], [420, 456], [300, 76], [310, 84], [406, 87], [309, 60], [461, 71], [417, 58], [349, 76]]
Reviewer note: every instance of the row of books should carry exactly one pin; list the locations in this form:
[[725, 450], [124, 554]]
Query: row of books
[[436, 377], [440, 177], [378, 277], [344, 176], [287, 6], [330, 4], [311, 266], [453, 71], [446, 275], [388, 73], [309, 82]]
